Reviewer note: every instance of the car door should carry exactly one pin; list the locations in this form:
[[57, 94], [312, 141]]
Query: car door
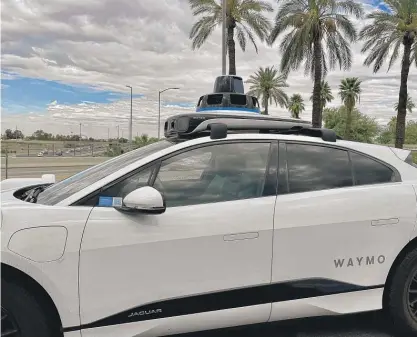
[[194, 266], [341, 218]]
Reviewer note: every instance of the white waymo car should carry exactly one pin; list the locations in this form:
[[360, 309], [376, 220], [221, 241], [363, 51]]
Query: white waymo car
[[230, 220]]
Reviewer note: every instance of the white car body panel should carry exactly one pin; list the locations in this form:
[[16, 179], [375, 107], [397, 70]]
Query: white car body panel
[[60, 277], [194, 254], [15, 183], [331, 305], [186, 324], [115, 264]]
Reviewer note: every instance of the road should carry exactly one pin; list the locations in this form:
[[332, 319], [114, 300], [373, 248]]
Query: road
[[363, 325]]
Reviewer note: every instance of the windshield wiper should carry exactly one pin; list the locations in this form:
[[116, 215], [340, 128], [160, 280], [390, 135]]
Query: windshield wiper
[[33, 195]]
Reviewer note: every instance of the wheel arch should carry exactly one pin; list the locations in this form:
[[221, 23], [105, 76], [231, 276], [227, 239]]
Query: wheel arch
[[400, 257], [17, 276]]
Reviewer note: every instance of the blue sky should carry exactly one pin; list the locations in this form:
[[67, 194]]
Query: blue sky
[[379, 4], [23, 94]]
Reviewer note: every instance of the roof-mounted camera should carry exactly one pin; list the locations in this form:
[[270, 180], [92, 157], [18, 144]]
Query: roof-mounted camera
[[228, 95]]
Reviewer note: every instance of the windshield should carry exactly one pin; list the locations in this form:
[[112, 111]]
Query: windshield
[[65, 188]]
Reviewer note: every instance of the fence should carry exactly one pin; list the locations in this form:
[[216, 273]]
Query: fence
[[34, 167], [34, 149]]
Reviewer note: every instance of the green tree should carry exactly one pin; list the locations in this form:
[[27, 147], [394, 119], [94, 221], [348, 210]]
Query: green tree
[[8, 134], [384, 36], [387, 136], [296, 105], [266, 84], [410, 105], [349, 91], [411, 132], [364, 128], [319, 35], [144, 139], [245, 17], [325, 94]]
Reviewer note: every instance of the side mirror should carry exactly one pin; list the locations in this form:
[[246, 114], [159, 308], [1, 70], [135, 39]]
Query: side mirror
[[144, 200]]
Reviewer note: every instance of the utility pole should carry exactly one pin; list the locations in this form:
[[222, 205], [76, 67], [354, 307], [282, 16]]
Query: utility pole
[[131, 116], [224, 50], [118, 133], [108, 134], [159, 109], [80, 133]]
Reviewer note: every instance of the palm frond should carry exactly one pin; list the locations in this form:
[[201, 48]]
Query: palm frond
[[241, 38], [199, 7], [202, 29], [350, 7]]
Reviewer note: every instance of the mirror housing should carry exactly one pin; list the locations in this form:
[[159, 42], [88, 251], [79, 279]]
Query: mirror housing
[[146, 200]]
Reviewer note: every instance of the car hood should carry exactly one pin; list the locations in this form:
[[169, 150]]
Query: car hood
[[9, 186], [16, 183]]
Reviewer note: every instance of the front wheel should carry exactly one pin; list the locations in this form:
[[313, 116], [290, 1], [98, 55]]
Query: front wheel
[[21, 315], [402, 296]]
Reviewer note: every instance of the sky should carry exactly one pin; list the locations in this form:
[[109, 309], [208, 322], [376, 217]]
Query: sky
[[66, 62]]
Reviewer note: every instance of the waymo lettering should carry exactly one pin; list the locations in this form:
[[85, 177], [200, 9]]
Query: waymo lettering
[[359, 261]]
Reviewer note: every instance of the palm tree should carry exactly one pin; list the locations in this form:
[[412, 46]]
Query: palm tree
[[384, 37], [243, 16], [296, 105], [325, 94], [350, 90], [266, 84], [319, 35], [409, 106]]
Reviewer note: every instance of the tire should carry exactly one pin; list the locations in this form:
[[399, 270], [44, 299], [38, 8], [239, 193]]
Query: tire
[[398, 296], [23, 312]]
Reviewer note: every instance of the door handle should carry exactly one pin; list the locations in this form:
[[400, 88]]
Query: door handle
[[241, 236], [385, 222]]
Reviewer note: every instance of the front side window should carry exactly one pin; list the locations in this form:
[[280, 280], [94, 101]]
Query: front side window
[[122, 188], [314, 168], [214, 173], [368, 171]]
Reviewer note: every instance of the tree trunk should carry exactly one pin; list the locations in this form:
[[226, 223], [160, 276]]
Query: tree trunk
[[348, 125], [266, 101], [316, 116], [402, 100], [231, 49]]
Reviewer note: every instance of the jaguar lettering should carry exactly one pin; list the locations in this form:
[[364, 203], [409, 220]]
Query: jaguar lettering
[[359, 261], [145, 312]]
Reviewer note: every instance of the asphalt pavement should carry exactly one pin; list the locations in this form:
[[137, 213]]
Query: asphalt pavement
[[362, 325]]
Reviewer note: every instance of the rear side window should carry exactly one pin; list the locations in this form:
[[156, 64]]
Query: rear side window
[[313, 168], [368, 171]]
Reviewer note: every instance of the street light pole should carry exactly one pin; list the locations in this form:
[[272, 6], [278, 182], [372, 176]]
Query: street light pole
[[159, 109], [224, 51], [131, 116], [80, 133]]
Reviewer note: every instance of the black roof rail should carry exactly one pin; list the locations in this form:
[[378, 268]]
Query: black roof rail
[[193, 125]]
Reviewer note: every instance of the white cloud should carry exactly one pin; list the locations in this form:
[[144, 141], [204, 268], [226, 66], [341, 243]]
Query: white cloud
[[144, 43]]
